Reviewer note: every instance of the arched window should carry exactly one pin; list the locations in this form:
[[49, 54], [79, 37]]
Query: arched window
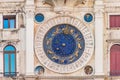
[[115, 60], [9, 61]]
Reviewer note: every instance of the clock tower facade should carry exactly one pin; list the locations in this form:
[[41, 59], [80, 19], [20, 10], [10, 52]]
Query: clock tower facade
[[59, 39]]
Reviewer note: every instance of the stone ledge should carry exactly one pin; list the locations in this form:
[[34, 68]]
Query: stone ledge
[[12, 0]]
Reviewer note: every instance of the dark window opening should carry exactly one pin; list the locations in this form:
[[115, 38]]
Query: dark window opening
[[114, 21], [9, 22]]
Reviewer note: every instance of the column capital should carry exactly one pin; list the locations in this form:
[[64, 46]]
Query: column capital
[[99, 12], [30, 7], [98, 2], [29, 2], [40, 2], [29, 10]]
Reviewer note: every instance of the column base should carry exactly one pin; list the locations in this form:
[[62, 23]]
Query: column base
[[99, 73], [100, 76], [30, 77], [99, 79]]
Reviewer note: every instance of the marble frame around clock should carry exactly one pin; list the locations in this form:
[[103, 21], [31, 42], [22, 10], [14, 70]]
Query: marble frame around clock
[[87, 54]]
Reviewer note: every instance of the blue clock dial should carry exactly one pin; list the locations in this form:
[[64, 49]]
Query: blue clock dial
[[64, 44], [39, 17], [88, 17]]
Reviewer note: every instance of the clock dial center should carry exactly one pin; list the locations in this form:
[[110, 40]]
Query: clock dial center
[[63, 44]]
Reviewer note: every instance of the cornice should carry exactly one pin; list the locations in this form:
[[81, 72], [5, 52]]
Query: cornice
[[12, 4], [64, 9], [112, 6], [112, 9], [12, 1]]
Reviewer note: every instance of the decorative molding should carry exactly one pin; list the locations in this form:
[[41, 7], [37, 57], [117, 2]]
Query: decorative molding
[[112, 9], [113, 41], [12, 0], [29, 10], [62, 3], [68, 77], [10, 7], [111, 1], [43, 9], [99, 10]]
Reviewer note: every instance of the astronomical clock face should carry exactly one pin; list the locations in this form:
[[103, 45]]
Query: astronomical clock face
[[64, 44]]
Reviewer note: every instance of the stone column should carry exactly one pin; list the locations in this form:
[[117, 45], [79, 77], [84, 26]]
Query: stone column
[[1, 21], [29, 40], [1, 49], [22, 51], [99, 26], [1, 62]]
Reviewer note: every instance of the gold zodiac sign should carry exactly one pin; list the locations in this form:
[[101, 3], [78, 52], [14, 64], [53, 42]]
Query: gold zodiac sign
[[57, 31], [79, 46], [71, 59], [66, 30], [78, 39], [62, 61], [71, 31], [50, 52], [54, 57], [76, 53], [48, 41]]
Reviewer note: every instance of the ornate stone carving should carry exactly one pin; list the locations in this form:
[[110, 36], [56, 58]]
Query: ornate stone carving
[[64, 2], [29, 10]]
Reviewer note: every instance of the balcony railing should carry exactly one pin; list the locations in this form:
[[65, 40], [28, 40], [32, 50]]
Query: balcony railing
[[9, 74]]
